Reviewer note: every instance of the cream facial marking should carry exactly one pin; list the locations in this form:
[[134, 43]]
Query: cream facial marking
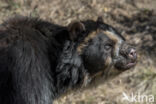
[[84, 43], [118, 41], [108, 61]]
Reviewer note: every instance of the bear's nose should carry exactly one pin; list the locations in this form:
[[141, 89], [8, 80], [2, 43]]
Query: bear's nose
[[132, 54]]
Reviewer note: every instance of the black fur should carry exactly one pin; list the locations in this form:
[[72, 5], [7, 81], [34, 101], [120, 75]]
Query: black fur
[[39, 60]]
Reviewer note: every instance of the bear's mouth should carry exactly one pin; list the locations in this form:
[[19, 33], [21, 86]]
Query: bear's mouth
[[123, 65], [131, 64]]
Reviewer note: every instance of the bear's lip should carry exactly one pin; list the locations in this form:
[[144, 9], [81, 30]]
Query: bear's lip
[[131, 64]]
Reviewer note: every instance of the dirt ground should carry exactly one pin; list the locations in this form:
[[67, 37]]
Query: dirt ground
[[134, 19]]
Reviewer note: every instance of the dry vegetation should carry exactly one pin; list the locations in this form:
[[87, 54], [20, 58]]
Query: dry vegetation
[[135, 19]]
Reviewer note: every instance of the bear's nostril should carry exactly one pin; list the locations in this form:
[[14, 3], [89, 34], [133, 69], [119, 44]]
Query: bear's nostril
[[132, 54]]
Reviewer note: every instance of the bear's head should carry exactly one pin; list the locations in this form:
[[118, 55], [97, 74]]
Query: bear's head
[[101, 47]]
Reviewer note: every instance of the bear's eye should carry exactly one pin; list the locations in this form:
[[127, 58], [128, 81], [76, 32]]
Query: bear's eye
[[107, 47]]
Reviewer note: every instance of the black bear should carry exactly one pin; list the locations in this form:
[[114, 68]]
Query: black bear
[[39, 60]]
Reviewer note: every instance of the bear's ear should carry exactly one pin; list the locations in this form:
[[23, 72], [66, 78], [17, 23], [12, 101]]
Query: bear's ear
[[100, 19], [75, 29]]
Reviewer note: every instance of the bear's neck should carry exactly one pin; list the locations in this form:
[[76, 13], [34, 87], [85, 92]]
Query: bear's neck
[[70, 72]]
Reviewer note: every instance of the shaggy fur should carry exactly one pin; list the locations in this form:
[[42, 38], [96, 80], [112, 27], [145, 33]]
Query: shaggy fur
[[39, 60]]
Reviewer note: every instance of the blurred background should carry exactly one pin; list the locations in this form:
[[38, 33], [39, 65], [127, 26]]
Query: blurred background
[[134, 19]]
